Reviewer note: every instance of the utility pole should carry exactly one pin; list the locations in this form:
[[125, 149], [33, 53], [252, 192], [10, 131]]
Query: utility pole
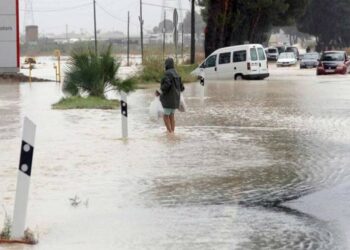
[[128, 46], [176, 33], [164, 30], [141, 27], [95, 27], [182, 41], [193, 44], [67, 33]]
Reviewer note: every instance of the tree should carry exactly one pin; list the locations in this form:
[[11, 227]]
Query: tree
[[236, 22], [321, 19], [199, 24], [169, 27]]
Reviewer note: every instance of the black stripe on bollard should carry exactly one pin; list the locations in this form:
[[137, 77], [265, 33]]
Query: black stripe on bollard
[[26, 159], [201, 82], [124, 108]]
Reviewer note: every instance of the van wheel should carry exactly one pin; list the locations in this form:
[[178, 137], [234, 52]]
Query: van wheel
[[238, 77]]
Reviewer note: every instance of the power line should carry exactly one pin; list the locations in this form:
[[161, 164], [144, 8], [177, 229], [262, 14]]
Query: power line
[[162, 6], [113, 16], [58, 10]]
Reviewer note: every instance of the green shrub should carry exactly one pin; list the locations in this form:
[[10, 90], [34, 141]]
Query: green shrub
[[153, 70], [94, 74], [185, 72], [6, 230]]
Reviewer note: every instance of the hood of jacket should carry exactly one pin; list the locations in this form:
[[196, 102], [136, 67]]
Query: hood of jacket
[[169, 64]]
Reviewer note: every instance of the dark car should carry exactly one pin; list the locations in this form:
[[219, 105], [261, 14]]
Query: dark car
[[333, 62], [272, 54], [309, 60], [281, 49], [294, 50]]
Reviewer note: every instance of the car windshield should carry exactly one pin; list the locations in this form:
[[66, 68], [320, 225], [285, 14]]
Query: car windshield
[[333, 56], [286, 55], [272, 51], [311, 56], [280, 50], [290, 49]]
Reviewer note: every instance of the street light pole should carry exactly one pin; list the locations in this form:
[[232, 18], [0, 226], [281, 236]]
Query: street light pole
[[164, 31], [128, 42], [95, 31]]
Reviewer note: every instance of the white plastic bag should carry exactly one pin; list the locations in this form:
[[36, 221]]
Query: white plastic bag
[[156, 110], [182, 106]]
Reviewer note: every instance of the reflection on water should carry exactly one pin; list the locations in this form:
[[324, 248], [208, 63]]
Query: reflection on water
[[9, 110], [241, 150]]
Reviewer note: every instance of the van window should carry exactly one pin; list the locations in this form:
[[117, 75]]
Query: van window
[[261, 54], [253, 54], [225, 58], [211, 61], [240, 56]]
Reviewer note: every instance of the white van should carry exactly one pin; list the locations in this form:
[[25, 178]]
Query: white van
[[247, 61]]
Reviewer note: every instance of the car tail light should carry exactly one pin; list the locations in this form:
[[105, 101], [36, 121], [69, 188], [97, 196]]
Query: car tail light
[[320, 64], [248, 66]]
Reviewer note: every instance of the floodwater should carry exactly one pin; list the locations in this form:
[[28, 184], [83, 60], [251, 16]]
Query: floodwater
[[245, 169]]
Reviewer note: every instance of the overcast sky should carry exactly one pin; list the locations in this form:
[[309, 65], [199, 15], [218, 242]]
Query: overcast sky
[[52, 16]]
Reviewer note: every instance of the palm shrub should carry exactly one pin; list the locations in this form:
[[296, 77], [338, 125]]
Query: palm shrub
[[93, 74]]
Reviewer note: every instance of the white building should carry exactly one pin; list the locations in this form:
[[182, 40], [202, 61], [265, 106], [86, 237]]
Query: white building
[[9, 36]]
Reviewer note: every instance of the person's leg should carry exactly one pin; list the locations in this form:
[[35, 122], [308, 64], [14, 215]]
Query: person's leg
[[167, 123], [172, 122]]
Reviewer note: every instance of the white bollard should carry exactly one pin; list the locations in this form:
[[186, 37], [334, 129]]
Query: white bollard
[[201, 82], [23, 179], [124, 111]]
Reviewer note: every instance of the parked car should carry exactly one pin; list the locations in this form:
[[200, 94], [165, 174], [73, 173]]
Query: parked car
[[333, 62], [272, 54], [286, 59], [247, 61], [281, 49], [310, 60], [294, 50]]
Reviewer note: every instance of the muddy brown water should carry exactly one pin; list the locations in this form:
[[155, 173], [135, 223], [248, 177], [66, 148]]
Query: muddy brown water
[[240, 153]]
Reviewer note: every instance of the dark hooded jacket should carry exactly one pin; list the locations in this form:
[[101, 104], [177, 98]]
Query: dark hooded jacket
[[171, 86]]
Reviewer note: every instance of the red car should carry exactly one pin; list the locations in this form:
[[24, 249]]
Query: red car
[[333, 62]]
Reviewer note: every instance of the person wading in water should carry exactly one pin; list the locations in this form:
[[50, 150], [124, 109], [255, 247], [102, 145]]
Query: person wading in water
[[170, 89]]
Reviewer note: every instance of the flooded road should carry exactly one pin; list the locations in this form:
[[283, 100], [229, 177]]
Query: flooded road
[[241, 155]]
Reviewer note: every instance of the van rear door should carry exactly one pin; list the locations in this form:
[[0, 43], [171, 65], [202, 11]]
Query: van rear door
[[254, 61], [262, 61]]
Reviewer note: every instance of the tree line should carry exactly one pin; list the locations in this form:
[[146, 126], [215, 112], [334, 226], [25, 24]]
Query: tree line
[[231, 22]]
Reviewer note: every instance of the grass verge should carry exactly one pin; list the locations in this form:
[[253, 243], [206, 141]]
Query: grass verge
[[85, 103]]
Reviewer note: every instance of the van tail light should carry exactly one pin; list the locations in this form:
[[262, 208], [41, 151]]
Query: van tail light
[[248, 66]]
